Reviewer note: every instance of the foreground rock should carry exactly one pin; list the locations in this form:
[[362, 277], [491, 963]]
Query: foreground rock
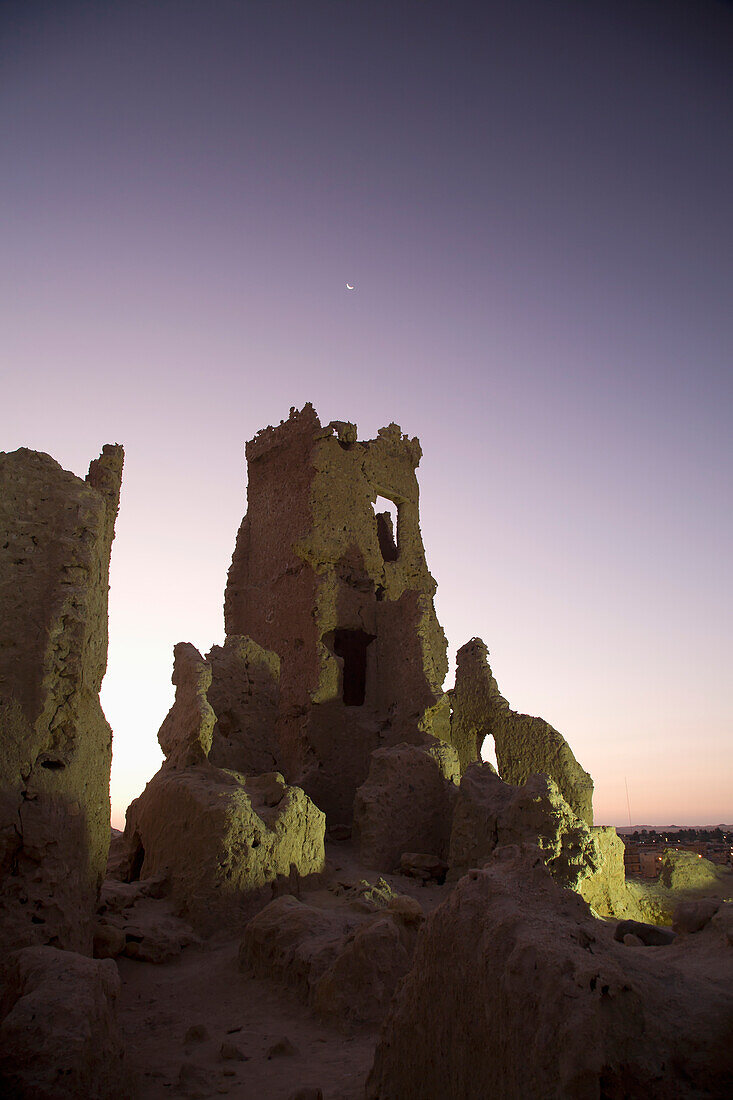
[[56, 533], [516, 990], [58, 1036], [345, 962]]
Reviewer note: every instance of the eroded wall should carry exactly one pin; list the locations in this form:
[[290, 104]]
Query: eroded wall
[[524, 745], [56, 533], [363, 657]]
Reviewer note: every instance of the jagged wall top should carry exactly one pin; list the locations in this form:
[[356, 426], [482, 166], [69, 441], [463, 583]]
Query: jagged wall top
[[306, 423]]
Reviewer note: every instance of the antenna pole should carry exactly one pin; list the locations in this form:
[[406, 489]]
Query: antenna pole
[[628, 803]]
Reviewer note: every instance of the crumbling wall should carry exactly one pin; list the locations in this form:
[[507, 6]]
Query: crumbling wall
[[56, 533], [217, 836], [316, 579], [245, 696], [406, 803], [524, 745], [490, 814]]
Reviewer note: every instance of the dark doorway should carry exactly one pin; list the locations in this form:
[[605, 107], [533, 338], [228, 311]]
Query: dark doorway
[[136, 860], [351, 646]]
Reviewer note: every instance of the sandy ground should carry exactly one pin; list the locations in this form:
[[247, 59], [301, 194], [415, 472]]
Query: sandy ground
[[242, 1019], [198, 1027]]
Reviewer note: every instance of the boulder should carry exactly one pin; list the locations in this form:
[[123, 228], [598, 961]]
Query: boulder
[[517, 991], [685, 871], [650, 935], [59, 1038], [721, 924], [423, 866], [109, 940], [406, 803]]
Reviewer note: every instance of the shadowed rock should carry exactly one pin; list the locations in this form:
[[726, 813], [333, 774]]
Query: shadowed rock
[[515, 990], [59, 1038], [345, 963], [490, 813], [245, 696]]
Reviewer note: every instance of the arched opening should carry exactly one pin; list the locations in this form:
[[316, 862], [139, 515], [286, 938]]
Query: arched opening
[[487, 752], [351, 647]]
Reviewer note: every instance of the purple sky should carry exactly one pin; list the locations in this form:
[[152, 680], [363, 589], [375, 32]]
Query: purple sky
[[533, 201]]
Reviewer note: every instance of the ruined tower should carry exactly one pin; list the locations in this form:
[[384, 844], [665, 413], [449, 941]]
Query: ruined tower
[[322, 579]]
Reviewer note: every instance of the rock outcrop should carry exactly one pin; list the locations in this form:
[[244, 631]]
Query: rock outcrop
[[137, 919], [218, 836], [524, 745], [59, 1038], [515, 990], [56, 533], [406, 803], [490, 814]]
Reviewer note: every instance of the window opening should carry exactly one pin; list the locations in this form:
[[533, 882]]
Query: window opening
[[351, 647], [488, 751], [386, 513]]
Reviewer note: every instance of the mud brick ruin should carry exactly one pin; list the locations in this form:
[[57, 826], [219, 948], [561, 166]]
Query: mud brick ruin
[[319, 730], [56, 747]]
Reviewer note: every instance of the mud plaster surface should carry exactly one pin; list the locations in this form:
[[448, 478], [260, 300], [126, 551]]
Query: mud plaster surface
[[203, 986]]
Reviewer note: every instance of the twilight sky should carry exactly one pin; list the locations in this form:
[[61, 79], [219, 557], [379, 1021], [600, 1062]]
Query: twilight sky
[[533, 201]]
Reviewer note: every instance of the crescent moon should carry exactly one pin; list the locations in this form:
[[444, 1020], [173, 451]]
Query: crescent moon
[[349, 287]]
